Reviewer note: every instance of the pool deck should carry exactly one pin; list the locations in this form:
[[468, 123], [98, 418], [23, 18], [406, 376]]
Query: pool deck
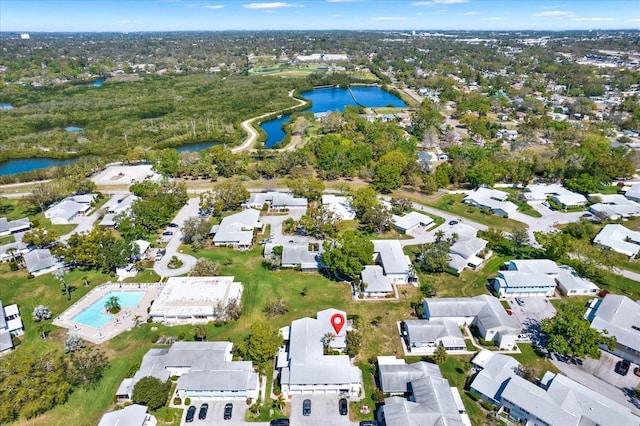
[[123, 321]]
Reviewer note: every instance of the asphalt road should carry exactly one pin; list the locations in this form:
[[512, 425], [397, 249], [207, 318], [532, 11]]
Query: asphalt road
[[161, 267]]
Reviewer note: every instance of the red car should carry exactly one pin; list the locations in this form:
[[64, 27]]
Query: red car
[[509, 312], [636, 371]]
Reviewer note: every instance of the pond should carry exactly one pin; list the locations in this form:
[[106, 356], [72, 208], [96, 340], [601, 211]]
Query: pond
[[195, 147], [73, 129], [97, 83], [333, 99], [22, 165], [5, 106]]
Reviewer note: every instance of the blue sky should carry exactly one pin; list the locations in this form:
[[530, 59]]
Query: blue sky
[[216, 15]]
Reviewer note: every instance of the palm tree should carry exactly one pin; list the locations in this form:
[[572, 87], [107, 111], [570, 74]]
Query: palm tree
[[85, 280], [279, 402], [439, 235], [326, 341], [454, 238], [59, 275], [112, 305]]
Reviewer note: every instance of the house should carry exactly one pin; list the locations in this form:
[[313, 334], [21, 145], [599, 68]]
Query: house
[[237, 229], [614, 206], [193, 300], [143, 248], [570, 284], [484, 312], [411, 221], [557, 193], [131, 415], [632, 192], [65, 211], [530, 277], [40, 261], [108, 220], [556, 401], [424, 336], [8, 227], [339, 205], [491, 199], [12, 250], [507, 135], [467, 249], [430, 399], [375, 282], [10, 325], [397, 266], [619, 239], [275, 200], [115, 207], [620, 316], [205, 370], [300, 256], [302, 364]]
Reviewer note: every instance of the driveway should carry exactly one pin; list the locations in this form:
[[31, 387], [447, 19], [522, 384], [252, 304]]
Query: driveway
[[276, 227], [534, 310], [324, 411], [85, 223], [161, 267]]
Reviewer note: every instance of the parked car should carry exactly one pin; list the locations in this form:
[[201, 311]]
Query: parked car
[[453, 222], [306, 407], [167, 233], [191, 413], [344, 407], [158, 256], [520, 301], [202, 414], [525, 337], [622, 367], [228, 411], [279, 422], [636, 371], [173, 225], [368, 423]]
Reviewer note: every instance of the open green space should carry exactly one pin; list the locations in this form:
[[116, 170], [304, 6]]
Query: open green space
[[17, 208]]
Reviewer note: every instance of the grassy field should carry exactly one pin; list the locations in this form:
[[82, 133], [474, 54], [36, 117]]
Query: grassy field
[[16, 208]]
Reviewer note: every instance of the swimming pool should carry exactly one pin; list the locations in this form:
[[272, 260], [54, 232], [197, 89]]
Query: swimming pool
[[95, 315]]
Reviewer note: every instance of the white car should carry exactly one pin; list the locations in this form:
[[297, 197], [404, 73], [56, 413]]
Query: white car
[[523, 337]]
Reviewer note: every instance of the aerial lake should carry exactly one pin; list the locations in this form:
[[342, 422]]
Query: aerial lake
[[333, 99], [202, 146], [21, 165], [5, 106]]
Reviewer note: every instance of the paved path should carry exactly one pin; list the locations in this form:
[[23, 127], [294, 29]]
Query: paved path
[[161, 267], [247, 126]]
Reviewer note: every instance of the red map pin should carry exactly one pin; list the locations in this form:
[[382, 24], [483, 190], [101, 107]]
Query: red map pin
[[337, 321]]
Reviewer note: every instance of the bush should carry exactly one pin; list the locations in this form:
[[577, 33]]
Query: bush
[[187, 401], [154, 338], [13, 266], [151, 392], [177, 401]]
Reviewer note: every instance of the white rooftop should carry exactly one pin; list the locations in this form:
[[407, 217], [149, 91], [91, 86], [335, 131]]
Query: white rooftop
[[393, 259], [340, 205], [619, 238]]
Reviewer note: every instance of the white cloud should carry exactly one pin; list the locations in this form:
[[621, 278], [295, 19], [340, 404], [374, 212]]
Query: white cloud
[[213, 6], [274, 5], [390, 18], [634, 20], [507, 13], [128, 21], [435, 2], [591, 19], [336, 16], [470, 13], [494, 18], [554, 14]]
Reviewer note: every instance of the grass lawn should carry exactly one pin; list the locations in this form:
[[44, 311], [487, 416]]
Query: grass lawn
[[452, 203], [14, 209], [530, 358]]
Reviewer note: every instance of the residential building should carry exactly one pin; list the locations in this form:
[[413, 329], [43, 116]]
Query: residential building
[[10, 324], [275, 200], [491, 199], [300, 256], [411, 221], [65, 211], [13, 250], [303, 366], [205, 370], [424, 336], [530, 277], [8, 227], [397, 266], [339, 205], [375, 282], [143, 247], [557, 401], [557, 193], [507, 135], [484, 312], [620, 316], [430, 399], [193, 300], [121, 205], [613, 207], [237, 229], [40, 261], [619, 239], [131, 415], [467, 250], [570, 284], [323, 57], [632, 192]]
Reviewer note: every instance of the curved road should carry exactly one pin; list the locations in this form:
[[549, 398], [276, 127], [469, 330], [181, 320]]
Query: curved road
[[246, 125], [161, 267]]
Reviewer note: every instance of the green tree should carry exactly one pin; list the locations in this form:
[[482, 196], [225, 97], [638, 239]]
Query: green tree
[[569, 334], [319, 223], [112, 305], [263, 341], [440, 355], [519, 238], [99, 249], [152, 392], [346, 256], [224, 196], [205, 268], [195, 229], [372, 214], [354, 343], [434, 257], [306, 187], [40, 237], [201, 332], [388, 172], [86, 367]]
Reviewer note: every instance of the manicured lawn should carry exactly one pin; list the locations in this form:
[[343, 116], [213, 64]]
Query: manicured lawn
[[530, 358], [18, 208]]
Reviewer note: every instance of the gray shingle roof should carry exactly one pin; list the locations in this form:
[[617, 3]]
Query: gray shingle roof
[[395, 377], [376, 280], [132, 415], [619, 315], [486, 308], [238, 228], [431, 331], [39, 259], [393, 259]]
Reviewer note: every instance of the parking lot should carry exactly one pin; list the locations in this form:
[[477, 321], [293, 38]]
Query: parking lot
[[532, 312], [324, 411], [215, 415]]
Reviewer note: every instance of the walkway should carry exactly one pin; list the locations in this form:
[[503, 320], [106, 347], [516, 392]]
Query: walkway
[[247, 125]]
